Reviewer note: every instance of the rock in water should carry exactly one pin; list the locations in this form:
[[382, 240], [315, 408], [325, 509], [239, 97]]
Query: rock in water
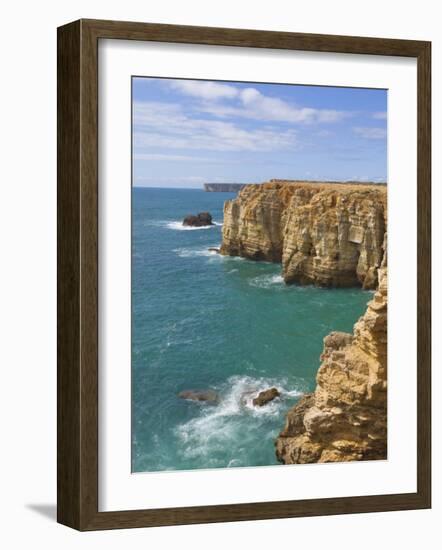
[[200, 220], [207, 396], [265, 397]]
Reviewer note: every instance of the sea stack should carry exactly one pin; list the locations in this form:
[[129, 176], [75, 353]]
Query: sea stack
[[200, 220], [265, 397]]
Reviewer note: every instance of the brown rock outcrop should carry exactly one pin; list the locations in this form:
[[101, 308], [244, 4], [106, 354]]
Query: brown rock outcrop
[[345, 418], [265, 397], [329, 234], [206, 396], [200, 220]]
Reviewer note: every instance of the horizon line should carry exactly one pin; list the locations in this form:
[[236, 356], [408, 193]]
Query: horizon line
[[201, 188]]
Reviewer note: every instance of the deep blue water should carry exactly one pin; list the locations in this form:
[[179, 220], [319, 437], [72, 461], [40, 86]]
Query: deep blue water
[[204, 321]]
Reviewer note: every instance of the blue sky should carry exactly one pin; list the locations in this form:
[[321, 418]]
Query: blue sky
[[187, 132]]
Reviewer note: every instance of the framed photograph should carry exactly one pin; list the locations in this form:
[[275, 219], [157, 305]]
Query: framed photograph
[[228, 300]]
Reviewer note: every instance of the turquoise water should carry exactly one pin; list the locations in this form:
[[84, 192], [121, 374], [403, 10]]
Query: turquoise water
[[204, 321]]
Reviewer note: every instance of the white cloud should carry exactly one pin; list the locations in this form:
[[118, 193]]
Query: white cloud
[[157, 114], [204, 89], [251, 103], [330, 115], [179, 158], [166, 125], [260, 106], [255, 105], [380, 115], [370, 133]]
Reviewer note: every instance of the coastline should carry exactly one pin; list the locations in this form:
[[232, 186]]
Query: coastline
[[205, 321], [328, 235]]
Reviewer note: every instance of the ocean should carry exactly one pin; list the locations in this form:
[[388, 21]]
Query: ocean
[[204, 321]]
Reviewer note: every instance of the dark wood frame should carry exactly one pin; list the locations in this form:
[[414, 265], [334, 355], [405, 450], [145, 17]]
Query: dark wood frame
[[77, 223]]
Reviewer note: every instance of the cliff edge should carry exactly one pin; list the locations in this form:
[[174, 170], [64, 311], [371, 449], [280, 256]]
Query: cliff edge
[[329, 234], [345, 418]]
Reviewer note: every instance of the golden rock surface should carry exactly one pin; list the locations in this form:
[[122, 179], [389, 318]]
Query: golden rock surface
[[345, 418], [328, 234], [335, 235]]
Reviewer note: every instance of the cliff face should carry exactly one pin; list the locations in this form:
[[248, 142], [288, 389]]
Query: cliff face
[[326, 234], [331, 235], [345, 418]]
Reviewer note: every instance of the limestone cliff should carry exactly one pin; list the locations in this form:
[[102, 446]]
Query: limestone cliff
[[345, 418], [329, 234], [332, 235]]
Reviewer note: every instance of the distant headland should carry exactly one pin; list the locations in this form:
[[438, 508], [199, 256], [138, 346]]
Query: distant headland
[[224, 187]]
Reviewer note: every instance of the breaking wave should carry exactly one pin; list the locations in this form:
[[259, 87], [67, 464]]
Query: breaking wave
[[235, 424], [178, 225], [267, 281], [196, 252]]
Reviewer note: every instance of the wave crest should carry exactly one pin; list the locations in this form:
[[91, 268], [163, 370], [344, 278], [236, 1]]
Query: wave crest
[[267, 281], [235, 423], [178, 226], [197, 252]]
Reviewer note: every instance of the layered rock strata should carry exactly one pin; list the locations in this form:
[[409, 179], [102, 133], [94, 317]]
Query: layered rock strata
[[345, 419], [333, 235], [328, 234]]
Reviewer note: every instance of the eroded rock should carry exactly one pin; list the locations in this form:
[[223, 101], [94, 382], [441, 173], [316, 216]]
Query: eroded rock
[[200, 220], [265, 397], [328, 234], [346, 417], [207, 396]]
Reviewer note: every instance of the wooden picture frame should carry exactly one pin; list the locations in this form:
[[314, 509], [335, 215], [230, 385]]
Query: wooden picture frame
[[78, 273]]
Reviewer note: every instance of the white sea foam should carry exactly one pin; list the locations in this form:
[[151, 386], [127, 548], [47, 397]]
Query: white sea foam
[[195, 252], [234, 258], [294, 393], [267, 281], [235, 418], [178, 226]]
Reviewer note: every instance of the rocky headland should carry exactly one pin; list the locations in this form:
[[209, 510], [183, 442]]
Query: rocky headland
[[333, 235], [328, 234]]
